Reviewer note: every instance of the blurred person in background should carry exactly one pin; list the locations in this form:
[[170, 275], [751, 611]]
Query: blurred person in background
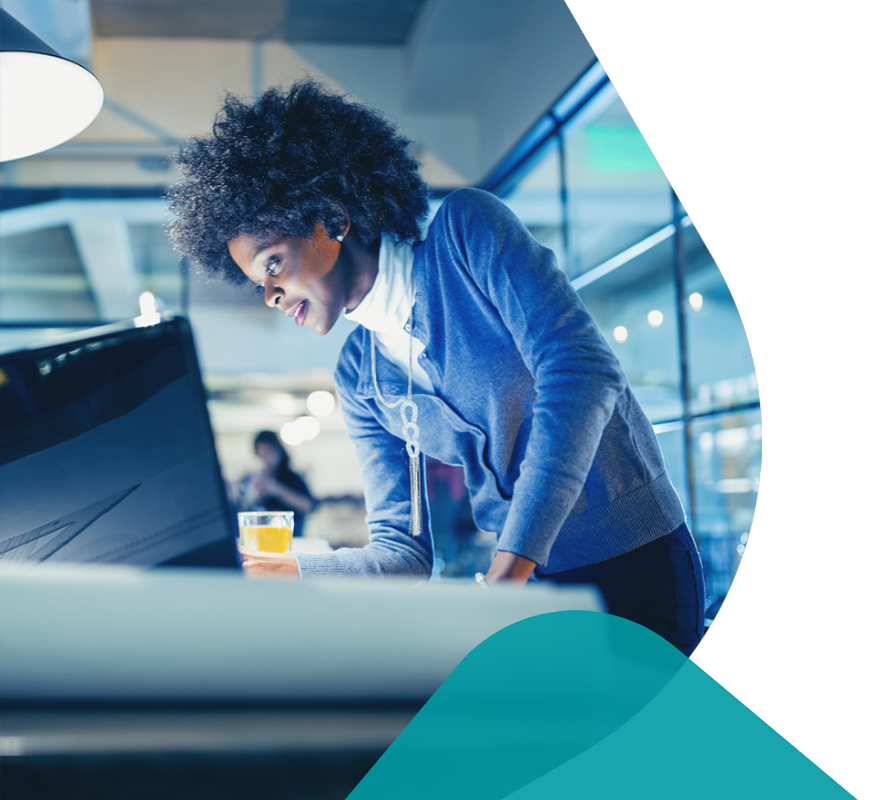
[[472, 348], [276, 487]]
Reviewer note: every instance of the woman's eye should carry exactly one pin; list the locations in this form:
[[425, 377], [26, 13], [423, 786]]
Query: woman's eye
[[273, 266]]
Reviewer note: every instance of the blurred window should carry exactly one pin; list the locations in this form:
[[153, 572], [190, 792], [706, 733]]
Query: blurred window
[[634, 305], [43, 279], [72, 264], [157, 265], [727, 455], [714, 326], [534, 193], [616, 192]]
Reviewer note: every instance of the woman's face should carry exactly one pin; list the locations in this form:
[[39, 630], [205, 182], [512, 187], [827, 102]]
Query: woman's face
[[269, 456], [305, 278]]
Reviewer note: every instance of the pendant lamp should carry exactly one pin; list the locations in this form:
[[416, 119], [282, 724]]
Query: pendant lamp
[[45, 99]]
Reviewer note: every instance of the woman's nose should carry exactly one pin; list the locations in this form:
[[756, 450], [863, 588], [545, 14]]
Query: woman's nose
[[274, 293]]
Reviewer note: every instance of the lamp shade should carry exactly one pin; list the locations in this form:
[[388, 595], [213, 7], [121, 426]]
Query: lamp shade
[[45, 99]]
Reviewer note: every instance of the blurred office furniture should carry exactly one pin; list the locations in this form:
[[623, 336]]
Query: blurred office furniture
[[115, 679]]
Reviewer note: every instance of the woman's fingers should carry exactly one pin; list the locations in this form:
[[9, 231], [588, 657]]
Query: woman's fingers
[[258, 564]]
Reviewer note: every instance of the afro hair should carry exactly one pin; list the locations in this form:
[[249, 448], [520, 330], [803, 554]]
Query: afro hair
[[285, 162]]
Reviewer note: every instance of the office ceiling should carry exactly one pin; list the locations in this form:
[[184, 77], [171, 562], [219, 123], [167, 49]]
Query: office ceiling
[[377, 22]]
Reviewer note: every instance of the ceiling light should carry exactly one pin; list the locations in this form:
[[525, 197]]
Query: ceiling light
[[45, 99], [620, 333], [655, 318], [696, 301]]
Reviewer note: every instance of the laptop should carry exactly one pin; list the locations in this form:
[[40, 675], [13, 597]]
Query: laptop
[[107, 454]]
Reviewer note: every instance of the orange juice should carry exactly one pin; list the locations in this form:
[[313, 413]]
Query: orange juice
[[268, 538]]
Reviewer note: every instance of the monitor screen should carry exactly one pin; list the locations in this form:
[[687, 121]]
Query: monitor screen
[[107, 454]]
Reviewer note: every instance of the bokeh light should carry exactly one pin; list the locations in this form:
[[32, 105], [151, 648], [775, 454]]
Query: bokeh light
[[655, 318], [321, 403], [300, 430]]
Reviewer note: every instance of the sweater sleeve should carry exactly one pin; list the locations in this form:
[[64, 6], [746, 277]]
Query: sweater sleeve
[[578, 379], [385, 468]]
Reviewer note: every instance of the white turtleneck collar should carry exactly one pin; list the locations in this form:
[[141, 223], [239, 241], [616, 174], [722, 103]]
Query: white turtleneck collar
[[386, 307]]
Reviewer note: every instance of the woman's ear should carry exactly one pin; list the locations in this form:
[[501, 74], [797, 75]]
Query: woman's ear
[[339, 224]]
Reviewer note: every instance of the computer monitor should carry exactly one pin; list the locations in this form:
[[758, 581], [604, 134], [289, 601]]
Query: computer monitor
[[107, 454]]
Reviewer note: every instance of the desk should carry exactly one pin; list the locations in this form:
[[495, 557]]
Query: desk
[[217, 753], [125, 684]]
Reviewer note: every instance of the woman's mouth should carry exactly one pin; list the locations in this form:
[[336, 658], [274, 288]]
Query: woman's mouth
[[298, 312]]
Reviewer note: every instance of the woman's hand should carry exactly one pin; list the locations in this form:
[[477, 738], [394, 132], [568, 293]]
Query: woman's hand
[[269, 565], [510, 567], [263, 484], [266, 485]]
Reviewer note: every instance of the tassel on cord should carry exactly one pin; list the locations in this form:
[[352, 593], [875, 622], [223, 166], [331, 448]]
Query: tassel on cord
[[410, 431], [413, 449], [415, 479]]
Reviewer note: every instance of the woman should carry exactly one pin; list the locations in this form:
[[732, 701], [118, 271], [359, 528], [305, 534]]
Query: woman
[[276, 487], [472, 348]]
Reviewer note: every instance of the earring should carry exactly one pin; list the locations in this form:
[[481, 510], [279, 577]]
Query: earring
[[340, 238]]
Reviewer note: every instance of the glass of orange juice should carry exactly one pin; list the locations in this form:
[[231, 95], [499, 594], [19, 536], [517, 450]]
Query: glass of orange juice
[[269, 531]]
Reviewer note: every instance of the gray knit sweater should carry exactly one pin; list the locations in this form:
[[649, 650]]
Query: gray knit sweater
[[558, 456]]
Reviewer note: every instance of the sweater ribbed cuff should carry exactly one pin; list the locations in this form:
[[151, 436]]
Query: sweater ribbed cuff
[[532, 527], [320, 565]]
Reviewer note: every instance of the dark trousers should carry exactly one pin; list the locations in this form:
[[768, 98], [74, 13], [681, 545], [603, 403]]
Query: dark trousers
[[658, 585]]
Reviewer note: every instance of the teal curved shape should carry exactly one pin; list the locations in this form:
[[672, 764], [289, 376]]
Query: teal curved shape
[[526, 700], [736, 728]]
